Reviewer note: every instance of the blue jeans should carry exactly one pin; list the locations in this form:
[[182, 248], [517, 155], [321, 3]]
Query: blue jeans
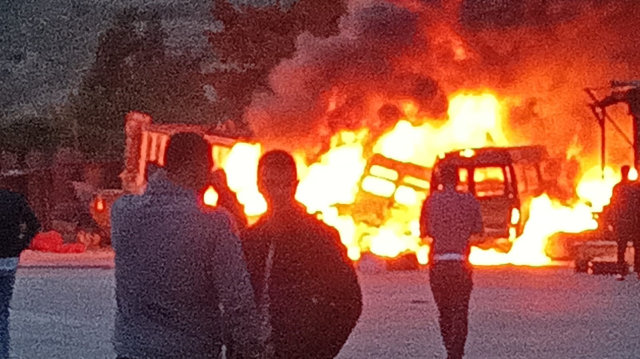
[[7, 280]]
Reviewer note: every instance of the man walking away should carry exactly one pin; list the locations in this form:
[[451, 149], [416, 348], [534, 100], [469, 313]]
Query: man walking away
[[181, 280], [451, 218], [623, 218], [18, 226], [312, 290]]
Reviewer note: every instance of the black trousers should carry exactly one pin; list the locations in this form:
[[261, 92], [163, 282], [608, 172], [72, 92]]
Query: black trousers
[[622, 249], [451, 285], [7, 282], [623, 237]]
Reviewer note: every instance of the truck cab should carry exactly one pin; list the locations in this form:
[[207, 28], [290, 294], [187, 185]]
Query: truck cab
[[146, 147]]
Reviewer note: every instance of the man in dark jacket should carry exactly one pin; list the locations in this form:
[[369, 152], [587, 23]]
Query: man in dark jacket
[[314, 296], [18, 225], [624, 207]]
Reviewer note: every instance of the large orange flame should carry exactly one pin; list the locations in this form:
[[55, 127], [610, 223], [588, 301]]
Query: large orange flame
[[333, 183]]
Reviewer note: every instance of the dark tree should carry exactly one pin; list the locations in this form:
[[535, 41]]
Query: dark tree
[[132, 72], [255, 39], [30, 134], [112, 87]]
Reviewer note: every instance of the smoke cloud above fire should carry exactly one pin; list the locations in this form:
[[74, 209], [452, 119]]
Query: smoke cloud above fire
[[341, 82], [391, 51], [544, 63]]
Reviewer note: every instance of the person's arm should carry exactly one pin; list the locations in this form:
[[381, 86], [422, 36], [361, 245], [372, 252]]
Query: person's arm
[[28, 221], [615, 204], [334, 236], [228, 200], [236, 295], [351, 284], [337, 300], [119, 218]]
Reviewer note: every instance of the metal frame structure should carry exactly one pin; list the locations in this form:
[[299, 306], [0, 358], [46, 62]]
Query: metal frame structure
[[621, 92]]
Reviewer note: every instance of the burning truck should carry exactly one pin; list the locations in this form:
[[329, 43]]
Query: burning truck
[[145, 147]]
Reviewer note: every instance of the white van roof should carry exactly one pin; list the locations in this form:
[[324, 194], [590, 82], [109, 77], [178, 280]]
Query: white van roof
[[495, 156]]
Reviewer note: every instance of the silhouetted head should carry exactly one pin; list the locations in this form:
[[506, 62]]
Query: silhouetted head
[[449, 176], [278, 178], [188, 160], [624, 170]]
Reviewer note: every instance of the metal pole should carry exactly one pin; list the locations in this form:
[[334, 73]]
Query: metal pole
[[607, 117], [603, 145], [600, 117]]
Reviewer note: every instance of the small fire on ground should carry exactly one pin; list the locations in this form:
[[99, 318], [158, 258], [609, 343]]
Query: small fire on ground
[[332, 186]]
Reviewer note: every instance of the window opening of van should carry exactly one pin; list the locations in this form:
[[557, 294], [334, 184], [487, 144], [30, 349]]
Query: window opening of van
[[510, 187], [416, 182], [489, 181], [463, 180], [406, 196], [521, 177], [532, 178]]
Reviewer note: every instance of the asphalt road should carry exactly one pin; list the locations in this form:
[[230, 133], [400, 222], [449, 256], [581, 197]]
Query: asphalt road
[[515, 313]]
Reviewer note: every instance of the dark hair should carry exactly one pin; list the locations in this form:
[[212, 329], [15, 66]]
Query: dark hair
[[448, 175], [278, 165], [187, 150]]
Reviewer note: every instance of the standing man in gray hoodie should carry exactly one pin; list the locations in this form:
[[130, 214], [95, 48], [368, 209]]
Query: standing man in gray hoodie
[[181, 280]]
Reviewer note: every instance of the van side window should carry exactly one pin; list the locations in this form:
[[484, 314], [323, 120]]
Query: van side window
[[532, 178], [463, 180], [489, 181], [510, 183], [521, 178]]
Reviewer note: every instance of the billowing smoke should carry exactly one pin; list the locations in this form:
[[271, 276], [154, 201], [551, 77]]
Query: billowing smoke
[[539, 62], [545, 60], [342, 82]]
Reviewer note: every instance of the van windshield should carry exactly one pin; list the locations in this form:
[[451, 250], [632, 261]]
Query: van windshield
[[489, 181]]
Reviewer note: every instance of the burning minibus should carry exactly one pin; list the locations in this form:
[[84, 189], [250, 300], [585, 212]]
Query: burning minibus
[[502, 179]]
